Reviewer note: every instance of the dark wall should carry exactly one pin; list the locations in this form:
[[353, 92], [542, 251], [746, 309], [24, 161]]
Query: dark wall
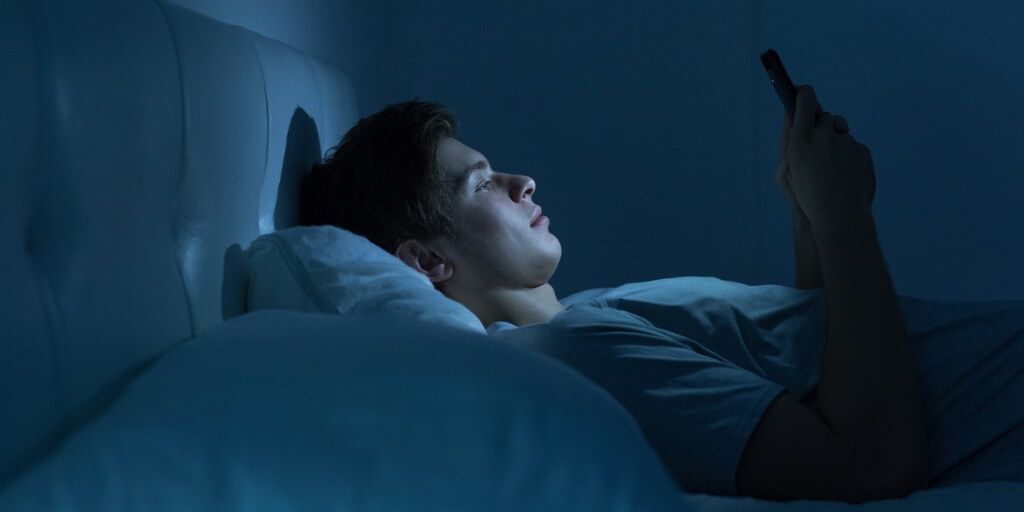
[[652, 131]]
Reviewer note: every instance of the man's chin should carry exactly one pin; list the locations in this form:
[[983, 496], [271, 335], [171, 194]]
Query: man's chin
[[557, 249], [552, 264]]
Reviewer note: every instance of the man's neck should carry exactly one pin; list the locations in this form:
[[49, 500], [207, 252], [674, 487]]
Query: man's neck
[[522, 306]]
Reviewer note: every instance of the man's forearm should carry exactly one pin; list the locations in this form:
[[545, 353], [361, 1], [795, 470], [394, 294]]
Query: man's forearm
[[868, 392], [808, 268]]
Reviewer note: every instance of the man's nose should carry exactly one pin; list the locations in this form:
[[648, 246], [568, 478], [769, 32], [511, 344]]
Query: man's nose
[[524, 187]]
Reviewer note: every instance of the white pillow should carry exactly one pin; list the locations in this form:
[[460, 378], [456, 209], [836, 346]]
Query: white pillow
[[283, 410], [332, 270]]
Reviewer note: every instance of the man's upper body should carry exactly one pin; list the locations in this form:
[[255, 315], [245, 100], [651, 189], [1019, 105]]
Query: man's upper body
[[495, 255], [698, 361]]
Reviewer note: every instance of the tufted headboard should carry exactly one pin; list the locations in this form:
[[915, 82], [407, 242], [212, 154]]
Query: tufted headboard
[[140, 140]]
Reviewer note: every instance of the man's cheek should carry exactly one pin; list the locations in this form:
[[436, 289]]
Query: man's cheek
[[486, 224]]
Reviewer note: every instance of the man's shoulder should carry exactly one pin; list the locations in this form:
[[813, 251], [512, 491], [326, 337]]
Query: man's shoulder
[[595, 322], [597, 312], [656, 290]]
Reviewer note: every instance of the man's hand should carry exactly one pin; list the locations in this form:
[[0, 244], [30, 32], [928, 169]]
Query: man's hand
[[808, 268], [831, 175], [782, 176]]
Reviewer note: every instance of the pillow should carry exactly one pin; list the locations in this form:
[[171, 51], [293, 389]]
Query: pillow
[[286, 410], [332, 270]]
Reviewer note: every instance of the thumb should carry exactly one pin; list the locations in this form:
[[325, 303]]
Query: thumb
[[784, 136], [807, 111]]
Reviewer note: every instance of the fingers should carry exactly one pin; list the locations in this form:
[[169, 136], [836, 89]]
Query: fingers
[[840, 125], [833, 126], [784, 137], [828, 126], [807, 110], [809, 115], [823, 126]]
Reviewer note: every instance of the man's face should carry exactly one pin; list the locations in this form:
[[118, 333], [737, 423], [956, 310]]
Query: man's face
[[496, 245]]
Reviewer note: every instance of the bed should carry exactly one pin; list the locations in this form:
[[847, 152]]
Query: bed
[[166, 346]]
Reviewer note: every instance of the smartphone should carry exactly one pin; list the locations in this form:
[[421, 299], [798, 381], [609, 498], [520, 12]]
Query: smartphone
[[780, 79]]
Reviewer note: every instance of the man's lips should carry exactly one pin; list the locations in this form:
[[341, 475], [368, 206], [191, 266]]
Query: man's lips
[[536, 216]]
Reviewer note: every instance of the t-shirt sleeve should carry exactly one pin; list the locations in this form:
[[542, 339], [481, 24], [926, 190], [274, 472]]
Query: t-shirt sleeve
[[696, 409]]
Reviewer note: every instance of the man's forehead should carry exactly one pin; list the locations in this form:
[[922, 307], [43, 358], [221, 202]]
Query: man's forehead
[[457, 154], [460, 160]]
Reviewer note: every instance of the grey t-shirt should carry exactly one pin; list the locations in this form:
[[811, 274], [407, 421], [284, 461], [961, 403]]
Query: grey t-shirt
[[697, 360]]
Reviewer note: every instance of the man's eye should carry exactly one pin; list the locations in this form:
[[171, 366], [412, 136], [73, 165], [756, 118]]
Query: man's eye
[[483, 185]]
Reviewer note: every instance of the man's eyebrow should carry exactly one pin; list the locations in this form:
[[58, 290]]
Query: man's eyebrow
[[479, 165]]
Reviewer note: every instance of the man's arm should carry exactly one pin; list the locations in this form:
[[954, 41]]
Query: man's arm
[[808, 268], [865, 441], [868, 392]]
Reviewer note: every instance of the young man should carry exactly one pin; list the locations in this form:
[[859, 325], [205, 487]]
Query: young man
[[838, 420]]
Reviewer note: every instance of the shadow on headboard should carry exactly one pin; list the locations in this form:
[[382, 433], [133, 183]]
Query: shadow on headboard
[[302, 150]]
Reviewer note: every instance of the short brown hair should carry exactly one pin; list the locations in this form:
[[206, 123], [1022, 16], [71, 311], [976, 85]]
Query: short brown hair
[[383, 180]]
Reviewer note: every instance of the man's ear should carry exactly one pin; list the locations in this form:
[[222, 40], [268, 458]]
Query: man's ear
[[424, 260]]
